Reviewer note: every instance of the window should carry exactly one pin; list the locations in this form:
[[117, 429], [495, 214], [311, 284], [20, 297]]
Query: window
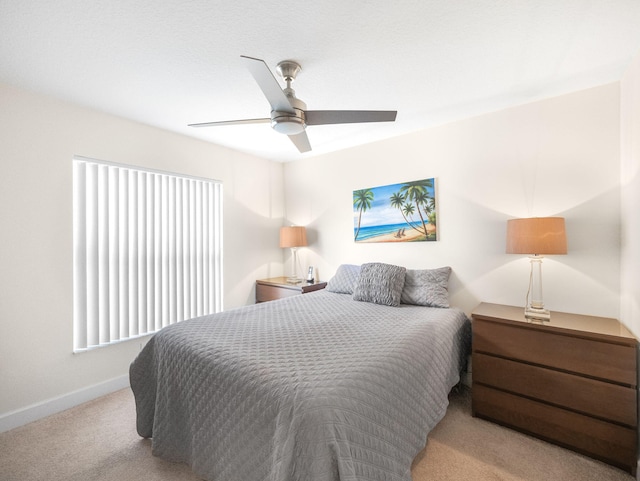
[[147, 250]]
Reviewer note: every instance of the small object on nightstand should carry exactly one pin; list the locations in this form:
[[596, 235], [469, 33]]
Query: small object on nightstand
[[279, 287], [310, 275]]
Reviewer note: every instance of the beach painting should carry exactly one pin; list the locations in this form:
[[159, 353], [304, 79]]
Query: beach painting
[[404, 212]]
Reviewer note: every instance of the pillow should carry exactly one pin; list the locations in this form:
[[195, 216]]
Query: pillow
[[344, 280], [427, 287], [380, 283]]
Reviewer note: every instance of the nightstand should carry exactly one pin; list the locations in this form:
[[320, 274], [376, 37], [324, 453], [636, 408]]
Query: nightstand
[[571, 381], [278, 288]]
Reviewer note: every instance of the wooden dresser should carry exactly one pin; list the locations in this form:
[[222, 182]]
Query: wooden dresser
[[278, 287], [571, 381]]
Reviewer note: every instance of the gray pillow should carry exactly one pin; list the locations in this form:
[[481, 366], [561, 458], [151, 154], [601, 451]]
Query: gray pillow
[[427, 287], [344, 280], [380, 283]]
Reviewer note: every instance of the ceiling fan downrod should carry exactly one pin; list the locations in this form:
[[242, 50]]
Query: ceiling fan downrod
[[289, 123]]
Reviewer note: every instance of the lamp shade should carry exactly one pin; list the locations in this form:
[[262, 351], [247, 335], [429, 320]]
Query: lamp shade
[[293, 236], [536, 235]]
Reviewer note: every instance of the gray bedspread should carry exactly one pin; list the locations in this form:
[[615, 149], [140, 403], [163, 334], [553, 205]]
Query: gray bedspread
[[308, 388]]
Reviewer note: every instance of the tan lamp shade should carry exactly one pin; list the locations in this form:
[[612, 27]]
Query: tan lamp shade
[[293, 236], [536, 235]]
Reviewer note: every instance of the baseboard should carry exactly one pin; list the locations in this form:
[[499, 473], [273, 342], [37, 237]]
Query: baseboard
[[26, 415]]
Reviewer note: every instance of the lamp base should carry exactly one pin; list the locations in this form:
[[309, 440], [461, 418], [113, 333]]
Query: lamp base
[[294, 280], [536, 314]]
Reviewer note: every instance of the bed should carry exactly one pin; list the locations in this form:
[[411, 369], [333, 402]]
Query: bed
[[314, 387]]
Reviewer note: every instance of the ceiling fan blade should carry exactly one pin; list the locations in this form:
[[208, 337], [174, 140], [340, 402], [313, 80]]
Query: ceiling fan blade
[[301, 141], [268, 84], [231, 122], [324, 117]]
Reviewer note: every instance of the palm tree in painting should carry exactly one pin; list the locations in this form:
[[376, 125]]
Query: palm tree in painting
[[417, 193], [432, 217], [397, 201], [429, 207], [407, 211], [362, 200]]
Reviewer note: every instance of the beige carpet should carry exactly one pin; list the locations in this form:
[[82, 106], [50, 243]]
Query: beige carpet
[[97, 441]]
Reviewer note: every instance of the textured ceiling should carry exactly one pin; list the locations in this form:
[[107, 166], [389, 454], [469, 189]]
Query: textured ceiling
[[168, 63]]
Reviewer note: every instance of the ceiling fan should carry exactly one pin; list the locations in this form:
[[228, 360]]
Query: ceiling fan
[[289, 115]]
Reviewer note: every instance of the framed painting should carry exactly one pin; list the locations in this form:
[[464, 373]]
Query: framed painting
[[404, 212]]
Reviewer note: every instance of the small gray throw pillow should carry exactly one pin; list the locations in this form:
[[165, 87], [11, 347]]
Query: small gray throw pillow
[[344, 280], [427, 287], [380, 283]]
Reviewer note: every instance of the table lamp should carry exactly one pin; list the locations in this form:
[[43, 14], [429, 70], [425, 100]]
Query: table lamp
[[536, 236], [293, 237]]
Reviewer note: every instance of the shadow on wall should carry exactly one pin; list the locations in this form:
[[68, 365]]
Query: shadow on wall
[[593, 253], [251, 251], [585, 281]]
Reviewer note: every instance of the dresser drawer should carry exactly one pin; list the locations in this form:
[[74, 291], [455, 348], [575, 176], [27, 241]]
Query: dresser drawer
[[594, 358], [608, 442], [589, 396]]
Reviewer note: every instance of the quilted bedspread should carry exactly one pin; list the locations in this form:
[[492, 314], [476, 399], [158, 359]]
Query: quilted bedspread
[[308, 388]]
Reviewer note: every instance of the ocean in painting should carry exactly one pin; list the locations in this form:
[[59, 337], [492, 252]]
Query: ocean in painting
[[378, 230]]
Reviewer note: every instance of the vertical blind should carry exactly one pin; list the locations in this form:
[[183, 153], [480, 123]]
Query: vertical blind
[[147, 251]]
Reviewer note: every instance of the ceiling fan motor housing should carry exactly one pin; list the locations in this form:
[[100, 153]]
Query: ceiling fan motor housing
[[290, 123]]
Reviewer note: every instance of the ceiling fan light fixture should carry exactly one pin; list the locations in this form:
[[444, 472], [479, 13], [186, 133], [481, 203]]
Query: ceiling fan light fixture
[[293, 122], [288, 125]]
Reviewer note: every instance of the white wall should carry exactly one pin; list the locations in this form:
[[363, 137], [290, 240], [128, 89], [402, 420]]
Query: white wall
[[630, 182], [38, 138], [558, 156]]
